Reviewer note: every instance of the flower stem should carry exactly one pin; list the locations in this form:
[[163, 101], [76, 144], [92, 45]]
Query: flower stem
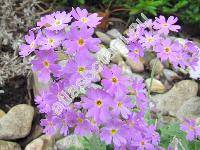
[[152, 76]]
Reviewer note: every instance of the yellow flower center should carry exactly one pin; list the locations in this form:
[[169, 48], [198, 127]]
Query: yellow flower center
[[81, 69], [46, 64], [165, 24], [167, 49], [51, 41], [58, 22], [80, 120], [114, 80], [150, 40], [191, 128], [99, 103], [32, 45], [84, 20], [136, 51], [113, 131], [120, 104], [81, 42], [142, 143]]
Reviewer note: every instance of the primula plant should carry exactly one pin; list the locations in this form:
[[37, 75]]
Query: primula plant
[[115, 110]]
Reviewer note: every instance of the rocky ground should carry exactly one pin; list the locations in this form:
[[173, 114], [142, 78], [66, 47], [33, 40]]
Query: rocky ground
[[174, 96]]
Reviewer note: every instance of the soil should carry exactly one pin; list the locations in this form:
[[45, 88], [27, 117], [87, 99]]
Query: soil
[[15, 92]]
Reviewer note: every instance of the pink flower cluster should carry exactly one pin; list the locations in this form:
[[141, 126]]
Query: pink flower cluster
[[153, 35], [192, 129], [115, 110]]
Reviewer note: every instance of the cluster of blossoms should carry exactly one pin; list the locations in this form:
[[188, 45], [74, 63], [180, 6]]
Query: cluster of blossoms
[[153, 35], [192, 128], [115, 111]]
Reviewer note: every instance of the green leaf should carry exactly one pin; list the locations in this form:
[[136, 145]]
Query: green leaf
[[93, 143]]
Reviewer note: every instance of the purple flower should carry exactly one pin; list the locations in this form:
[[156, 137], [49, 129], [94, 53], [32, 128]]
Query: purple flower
[[164, 26], [81, 64], [42, 102], [180, 59], [50, 123], [67, 120], [50, 40], [58, 20], [45, 65], [113, 81], [80, 39], [136, 51], [135, 33], [148, 40], [114, 132], [167, 50], [152, 135], [191, 128], [97, 102], [142, 143], [122, 105], [83, 126], [84, 18], [31, 45], [192, 53]]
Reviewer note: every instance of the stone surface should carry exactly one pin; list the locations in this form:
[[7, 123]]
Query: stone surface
[[159, 66], [5, 145], [103, 37], [103, 55], [170, 75], [156, 87], [137, 67], [71, 141], [125, 68], [117, 46], [116, 58], [17, 122], [189, 109], [171, 101], [114, 33], [44, 142], [2, 113]]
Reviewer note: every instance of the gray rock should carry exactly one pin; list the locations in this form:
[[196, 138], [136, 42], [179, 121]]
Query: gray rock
[[103, 37], [125, 68], [17, 122], [114, 33], [116, 58], [71, 141], [189, 109], [159, 66], [118, 47], [42, 143], [2, 113], [156, 86], [137, 67], [5, 145], [171, 101], [103, 55], [170, 75]]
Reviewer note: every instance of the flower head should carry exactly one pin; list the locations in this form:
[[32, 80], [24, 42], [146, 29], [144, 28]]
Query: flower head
[[45, 65], [114, 132], [80, 39], [113, 80], [164, 26], [191, 128], [31, 45], [97, 102], [136, 51], [84, 18]]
